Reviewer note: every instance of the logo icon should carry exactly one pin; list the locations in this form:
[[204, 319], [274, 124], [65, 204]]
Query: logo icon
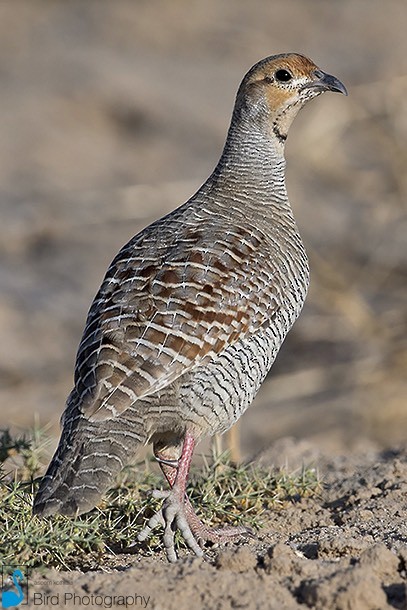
[[14, 586]]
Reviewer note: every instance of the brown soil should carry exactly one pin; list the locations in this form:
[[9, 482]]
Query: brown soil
[[346, 550]]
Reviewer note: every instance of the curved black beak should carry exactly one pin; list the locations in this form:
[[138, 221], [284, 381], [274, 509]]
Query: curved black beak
[[326, 82]]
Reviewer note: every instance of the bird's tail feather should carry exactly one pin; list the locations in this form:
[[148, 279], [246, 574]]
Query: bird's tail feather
[[88, 457]]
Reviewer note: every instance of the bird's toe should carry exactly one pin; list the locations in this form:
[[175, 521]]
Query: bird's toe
[[172, 516]]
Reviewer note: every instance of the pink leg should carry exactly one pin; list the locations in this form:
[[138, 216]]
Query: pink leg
[[201, 532], [173, 511], [176, 474]]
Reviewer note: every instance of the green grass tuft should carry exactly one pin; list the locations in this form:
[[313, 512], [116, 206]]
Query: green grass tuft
[[223, 493]]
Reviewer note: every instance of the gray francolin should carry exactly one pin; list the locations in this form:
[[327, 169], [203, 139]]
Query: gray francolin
[[191, 315]]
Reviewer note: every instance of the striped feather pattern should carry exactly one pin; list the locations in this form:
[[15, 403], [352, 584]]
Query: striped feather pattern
[[158, 315]]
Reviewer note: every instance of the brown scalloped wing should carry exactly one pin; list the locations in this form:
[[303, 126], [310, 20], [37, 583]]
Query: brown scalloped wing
[[151, 323]]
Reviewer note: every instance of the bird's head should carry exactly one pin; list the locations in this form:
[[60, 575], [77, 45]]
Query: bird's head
[[276, 88]]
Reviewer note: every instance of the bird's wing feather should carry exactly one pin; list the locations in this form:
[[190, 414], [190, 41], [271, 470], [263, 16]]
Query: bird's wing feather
[[153, 320]]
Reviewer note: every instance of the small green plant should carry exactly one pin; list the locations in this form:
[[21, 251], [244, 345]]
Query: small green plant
[[244, 493], [222, 491], [23, 455]]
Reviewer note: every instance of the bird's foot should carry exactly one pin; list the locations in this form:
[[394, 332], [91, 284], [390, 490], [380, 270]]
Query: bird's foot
[[222, 535], [202, 533], [178, 514], [172, 516]]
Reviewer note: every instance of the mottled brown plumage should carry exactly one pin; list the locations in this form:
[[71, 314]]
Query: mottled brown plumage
[[191, 315]]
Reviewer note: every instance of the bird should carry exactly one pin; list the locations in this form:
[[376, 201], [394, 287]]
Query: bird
[[11, 598], [190, 317]]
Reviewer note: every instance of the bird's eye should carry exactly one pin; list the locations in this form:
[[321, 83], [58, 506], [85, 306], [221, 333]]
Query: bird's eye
[[283, 76]]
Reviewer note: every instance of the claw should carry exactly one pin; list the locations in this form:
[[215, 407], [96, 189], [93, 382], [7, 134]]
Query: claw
[[172, 517], [156, 519]]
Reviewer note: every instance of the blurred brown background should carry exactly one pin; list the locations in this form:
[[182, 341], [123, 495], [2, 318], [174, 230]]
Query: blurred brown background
[[112, 113]]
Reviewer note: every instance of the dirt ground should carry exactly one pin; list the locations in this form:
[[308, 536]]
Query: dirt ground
[[346, 550], [113, 113]]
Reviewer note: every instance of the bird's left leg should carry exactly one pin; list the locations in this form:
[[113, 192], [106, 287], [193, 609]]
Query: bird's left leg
[[201, 532], [173, 514], [193, 530]]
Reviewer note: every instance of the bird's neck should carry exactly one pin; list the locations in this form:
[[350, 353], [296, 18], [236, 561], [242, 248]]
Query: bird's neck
[[250, 174]]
